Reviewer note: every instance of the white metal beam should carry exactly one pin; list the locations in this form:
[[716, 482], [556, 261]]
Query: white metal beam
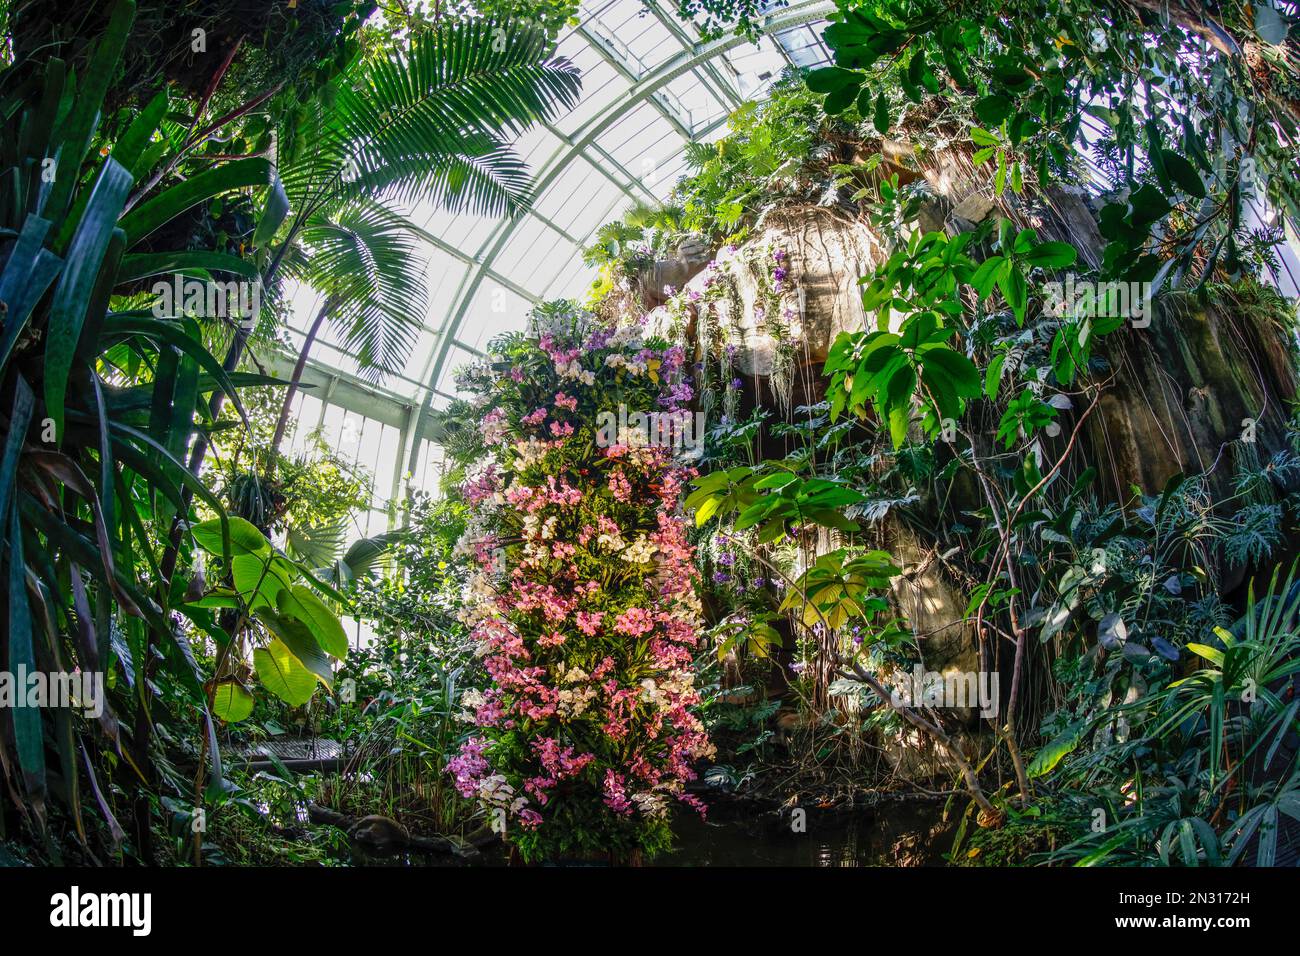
[[688, 60]]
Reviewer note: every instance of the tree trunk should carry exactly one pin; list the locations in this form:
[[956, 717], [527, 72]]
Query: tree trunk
[[325, 310]]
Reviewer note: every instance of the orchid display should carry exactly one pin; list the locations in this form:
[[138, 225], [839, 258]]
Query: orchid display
[[583, 604]]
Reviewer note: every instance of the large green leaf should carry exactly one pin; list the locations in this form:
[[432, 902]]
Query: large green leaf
[[231, 702], [199, 262], [1051, 255], [300, 602], [259, 579], [20, 417], [239, 174], [18, 274], [244, 537], [298, 638], [72, 295], [1054, 752], [1014, 288], [1184, 174], [273, 214], [129, 150], [74, 133], [831, 79], [27, 724], [956, 368], [282, 674]]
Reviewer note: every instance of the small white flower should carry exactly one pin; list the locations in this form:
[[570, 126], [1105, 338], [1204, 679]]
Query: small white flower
[[640, 551], [470, 701]]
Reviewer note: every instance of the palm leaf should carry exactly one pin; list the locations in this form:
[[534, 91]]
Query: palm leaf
[[364, 259], [402, 125]]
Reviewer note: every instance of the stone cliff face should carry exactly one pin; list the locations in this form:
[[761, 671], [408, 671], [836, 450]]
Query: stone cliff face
[[825, 256], [1199, 388], [1186, 388]]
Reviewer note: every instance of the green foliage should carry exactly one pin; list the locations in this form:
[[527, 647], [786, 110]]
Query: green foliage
[[414, 604], [789, 502], [1035, 73], [730, 179], [714, 18], [300, 631], [638, 238], [103, 401], [362, 256], [966, 337], [406, 718], [729, 182], [550, 15], [405, 724], [1210, 786], [307, 500], [112, 569], [924, 280], [885, 369], [429, 122], [1025, 415], [836, 590]]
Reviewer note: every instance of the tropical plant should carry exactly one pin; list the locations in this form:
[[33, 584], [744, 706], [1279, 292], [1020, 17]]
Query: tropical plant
[[102, 403], [728, 181], [1046, 78], [1215, 776], [362, 258], [430, 122]]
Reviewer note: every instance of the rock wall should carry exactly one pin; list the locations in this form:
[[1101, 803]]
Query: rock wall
[[1185, 392], [1182, 389]]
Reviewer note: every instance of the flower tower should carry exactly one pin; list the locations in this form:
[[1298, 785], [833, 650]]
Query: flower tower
[[583, 604]]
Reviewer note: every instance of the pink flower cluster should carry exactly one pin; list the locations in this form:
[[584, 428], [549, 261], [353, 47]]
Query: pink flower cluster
[[469, 767], [589, 630]]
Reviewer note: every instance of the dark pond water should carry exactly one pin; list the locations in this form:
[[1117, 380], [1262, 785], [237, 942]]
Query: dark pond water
[[855, 841], [895, 835]]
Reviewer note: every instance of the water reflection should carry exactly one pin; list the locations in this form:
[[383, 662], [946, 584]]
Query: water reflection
[[854, 840], [887, 836]]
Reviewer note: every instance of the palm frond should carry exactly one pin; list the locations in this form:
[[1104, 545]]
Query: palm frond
[[414, 124], [364, 259]]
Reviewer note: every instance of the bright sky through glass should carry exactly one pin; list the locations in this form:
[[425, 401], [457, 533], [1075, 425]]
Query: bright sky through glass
[[649, 85]]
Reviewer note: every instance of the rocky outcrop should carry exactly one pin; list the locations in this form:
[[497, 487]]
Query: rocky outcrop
[[928, 598], [1203, 387], [825, 256], [657, 281], [1186, 388]]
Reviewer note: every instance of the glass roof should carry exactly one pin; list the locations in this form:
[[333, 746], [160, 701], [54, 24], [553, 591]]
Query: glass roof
[[649, 85]]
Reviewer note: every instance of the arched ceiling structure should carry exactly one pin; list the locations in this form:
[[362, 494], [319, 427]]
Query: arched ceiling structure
[[650, 86]]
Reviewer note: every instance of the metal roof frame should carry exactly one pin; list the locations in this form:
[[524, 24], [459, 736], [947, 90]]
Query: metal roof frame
[[693, 57]]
